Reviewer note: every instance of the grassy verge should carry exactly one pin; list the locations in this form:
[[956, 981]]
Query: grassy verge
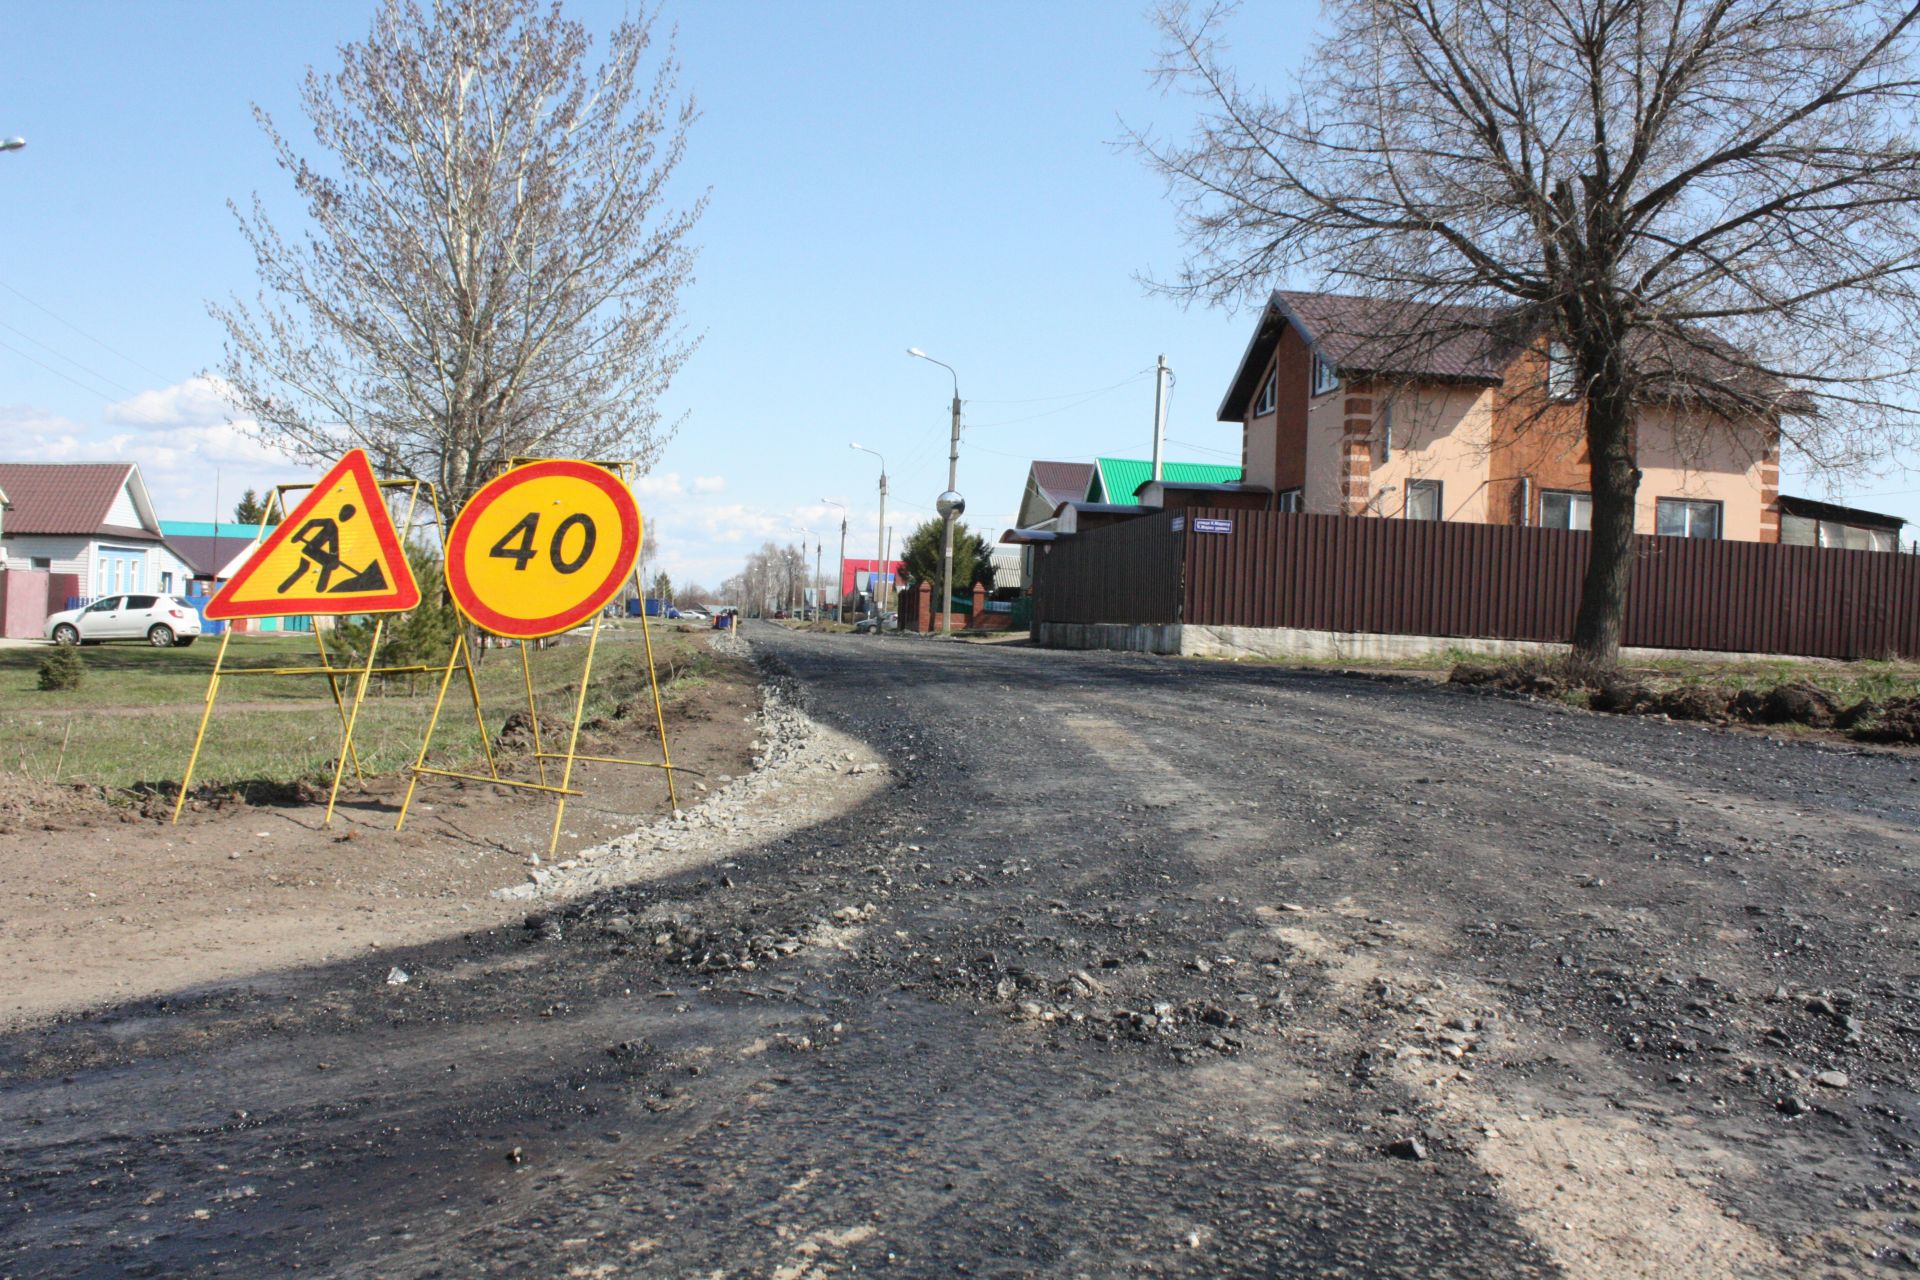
[[131, 722], [1870, 701]]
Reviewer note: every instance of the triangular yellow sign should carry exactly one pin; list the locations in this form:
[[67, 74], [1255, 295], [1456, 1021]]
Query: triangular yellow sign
[[336, 553]]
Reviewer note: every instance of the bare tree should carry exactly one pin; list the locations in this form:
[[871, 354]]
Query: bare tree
[[1714, 205], [491, 267]]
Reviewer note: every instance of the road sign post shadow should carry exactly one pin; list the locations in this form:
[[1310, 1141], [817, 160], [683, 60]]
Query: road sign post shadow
[[346, 560], [540, 549]]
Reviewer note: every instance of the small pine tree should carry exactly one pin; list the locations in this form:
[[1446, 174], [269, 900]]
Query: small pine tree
[[249, 510], [923, 560], [663, 587], [62, 669], [423, 636]]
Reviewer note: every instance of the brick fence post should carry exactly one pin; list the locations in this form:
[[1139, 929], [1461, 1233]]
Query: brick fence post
[[978, 617], [923, 607]]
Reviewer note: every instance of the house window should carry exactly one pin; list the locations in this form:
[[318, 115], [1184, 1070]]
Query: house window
[[1686, 518], [1560, 371], [166, 581], [1423, 500], [1269, 396], [1559, 510], [1289, 500], [39, 562], [1386, 432], [1325, 377]]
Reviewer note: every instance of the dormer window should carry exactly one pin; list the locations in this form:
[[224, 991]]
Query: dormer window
[[1325, 376], [1269, 395], [1560, 371]]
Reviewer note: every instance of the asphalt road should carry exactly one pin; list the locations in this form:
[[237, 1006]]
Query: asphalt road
[[1143, 967]]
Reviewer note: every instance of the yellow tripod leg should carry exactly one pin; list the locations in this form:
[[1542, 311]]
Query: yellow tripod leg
[[659, 714], [533, 713], [333, 683], [206, 714], [446, 678], [479, 717], [353, 717], [573, 739]]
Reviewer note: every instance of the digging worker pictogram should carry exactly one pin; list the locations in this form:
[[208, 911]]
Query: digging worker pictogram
[[319, 541]]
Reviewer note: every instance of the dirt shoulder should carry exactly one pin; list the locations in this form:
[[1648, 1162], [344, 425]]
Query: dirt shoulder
[[106, 902]]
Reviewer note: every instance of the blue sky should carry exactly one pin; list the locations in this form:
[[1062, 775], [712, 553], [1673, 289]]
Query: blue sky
[[882, 175]]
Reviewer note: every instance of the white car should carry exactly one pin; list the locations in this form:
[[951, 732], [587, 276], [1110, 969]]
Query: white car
[[161, 621]]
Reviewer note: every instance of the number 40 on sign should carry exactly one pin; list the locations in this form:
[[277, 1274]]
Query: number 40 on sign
[[542, 548]]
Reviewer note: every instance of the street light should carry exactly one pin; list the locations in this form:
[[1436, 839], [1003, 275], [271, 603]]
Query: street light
[[880, 534], [820, 601], [840, 565], [951, 503]]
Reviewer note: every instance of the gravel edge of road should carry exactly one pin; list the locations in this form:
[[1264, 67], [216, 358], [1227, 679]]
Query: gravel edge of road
[[802, 771]]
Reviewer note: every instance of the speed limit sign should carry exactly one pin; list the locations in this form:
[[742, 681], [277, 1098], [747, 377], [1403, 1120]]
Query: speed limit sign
[[542, 548]]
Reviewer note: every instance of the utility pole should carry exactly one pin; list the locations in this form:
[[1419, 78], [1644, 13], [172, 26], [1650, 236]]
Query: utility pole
[[886, 567], [951, 504], [880, 530], [1160, 375], [840, 565], [819, 591]]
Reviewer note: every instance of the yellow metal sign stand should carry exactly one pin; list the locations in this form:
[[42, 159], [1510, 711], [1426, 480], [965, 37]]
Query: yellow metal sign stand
[[541, 755], [360, 674]]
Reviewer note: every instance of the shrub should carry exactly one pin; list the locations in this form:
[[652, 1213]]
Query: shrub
[[62, 669]]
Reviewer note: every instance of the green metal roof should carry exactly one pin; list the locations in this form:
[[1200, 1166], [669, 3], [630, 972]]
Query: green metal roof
[[208, 529], [1115, 479]]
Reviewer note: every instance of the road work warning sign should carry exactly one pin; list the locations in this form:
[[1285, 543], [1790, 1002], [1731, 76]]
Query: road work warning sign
[[542, 548], [335, 553]]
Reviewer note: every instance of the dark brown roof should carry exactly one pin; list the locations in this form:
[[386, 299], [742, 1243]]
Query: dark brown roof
[[1062, 481], [1450, 342], [1442, 341], [71, 497], [1814, 510], [205, 555]]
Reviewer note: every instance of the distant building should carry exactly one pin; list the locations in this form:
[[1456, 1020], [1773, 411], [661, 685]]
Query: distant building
[[93, 520], [1806, 523], [212, 551]]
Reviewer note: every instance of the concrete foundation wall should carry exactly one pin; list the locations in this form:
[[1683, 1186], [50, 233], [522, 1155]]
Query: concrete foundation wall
[[1142, 637], [1312, 646]]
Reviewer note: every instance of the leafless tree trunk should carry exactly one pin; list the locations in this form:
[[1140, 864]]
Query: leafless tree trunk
[[1712, 205], [491, 268]]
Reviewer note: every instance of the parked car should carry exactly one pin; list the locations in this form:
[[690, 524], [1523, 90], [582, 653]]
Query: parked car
[[161, 621], [887, 622]]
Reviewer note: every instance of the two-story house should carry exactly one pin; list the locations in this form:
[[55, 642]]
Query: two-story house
[[1344, 409]]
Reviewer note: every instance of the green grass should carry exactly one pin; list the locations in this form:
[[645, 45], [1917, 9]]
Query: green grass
[[133, 719]]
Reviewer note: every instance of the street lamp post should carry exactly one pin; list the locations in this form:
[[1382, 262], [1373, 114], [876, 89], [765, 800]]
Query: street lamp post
[[880, 534], [951, 503], [805, 533], [840, 565]]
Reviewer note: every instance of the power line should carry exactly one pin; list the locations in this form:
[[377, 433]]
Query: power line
[[92, 391], [1069, 395], [86, 369], [82, 332]]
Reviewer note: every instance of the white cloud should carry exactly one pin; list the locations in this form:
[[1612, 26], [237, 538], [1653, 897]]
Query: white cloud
[[665, 484], [199, 401], [709, 484]]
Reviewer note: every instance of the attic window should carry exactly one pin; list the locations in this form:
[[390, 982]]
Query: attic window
[[1269, 395], [1560, 371], [1325, 376]]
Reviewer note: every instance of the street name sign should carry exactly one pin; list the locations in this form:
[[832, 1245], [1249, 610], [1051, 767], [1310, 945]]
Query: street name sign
[[1210, 524]]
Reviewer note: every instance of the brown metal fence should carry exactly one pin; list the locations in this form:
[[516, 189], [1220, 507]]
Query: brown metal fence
[[1128, 572], [1334, 573]]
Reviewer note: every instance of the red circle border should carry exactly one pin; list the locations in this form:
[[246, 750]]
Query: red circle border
[[460, 587]]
